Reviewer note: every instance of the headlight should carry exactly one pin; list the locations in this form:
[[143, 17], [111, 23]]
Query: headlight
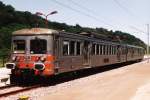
[[43, 58], [10, 65], [37, 58], [39, 66], [18, 58], [13, 58]]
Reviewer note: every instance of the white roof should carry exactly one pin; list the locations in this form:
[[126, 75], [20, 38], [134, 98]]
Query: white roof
[[32, 31]]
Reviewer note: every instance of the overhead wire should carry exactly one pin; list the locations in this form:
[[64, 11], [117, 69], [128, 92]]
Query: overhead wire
[[129, 13], [139, 30], [124, 8], [89, 10], [93, 17], [83, 13], [86, 9]]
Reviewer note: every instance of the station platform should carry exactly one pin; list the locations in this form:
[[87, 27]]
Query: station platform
[[4, 76], [131, 82]]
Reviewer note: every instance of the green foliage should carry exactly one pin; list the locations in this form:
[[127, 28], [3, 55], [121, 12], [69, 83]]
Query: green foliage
[[5, 34], [12, 20]]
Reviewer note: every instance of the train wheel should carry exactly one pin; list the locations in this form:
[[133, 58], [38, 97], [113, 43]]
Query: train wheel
[[14, 79]]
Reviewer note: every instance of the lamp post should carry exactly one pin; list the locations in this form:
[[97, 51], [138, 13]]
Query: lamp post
[[46, 16]]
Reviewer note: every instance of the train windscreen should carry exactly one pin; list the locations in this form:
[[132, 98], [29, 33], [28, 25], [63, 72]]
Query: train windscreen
[[38, 46], [19, 46]]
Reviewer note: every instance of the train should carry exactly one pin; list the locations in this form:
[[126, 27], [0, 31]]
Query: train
[[48, 52]]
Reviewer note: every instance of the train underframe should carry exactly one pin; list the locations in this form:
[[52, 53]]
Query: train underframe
[[28, 75]]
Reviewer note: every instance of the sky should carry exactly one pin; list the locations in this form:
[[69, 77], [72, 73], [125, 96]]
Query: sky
[[131, 16]]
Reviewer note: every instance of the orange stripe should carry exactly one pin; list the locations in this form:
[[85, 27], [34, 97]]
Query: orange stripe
[[34, 58], [50, 58], [48, 72], [30, 65], [49, 69], [49, 65], [21, 65]]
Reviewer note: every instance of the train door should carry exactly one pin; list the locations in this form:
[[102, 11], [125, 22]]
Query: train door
[[126, 52], [119, 53], [56, 51], [86, 53]]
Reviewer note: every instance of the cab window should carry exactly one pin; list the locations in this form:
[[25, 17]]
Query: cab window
[[38, 46], [19, 46]]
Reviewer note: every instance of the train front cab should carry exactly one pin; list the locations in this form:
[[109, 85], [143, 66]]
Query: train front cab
[[32, 53]]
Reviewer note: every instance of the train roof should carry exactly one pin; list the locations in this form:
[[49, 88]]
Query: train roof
[[46, 31], [133, 46], [34, 31]]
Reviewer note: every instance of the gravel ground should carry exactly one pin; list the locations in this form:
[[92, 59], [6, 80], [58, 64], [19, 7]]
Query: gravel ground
[[124, 83]]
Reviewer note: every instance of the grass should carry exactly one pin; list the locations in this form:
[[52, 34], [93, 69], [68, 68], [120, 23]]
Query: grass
[[1, 63]]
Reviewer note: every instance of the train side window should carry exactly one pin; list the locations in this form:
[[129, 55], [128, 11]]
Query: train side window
[[93, 49], [97, 49], [110, 50], [78, 48], [107, 49], [113, 50], [106, 46], [122, 50], [101, 49], [72, 48], [65, 48], [104, 49], [141, 52], [128, 50]]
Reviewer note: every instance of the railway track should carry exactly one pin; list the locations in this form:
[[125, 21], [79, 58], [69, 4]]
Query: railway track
[[146, 59], [13, 89], [5, 87]]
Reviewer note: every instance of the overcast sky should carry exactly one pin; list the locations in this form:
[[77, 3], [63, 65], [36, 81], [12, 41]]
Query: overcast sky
[[129, 16]]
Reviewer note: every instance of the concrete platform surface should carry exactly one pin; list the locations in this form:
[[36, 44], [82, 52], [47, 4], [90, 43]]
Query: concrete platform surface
[[131, 82], [4, 76]]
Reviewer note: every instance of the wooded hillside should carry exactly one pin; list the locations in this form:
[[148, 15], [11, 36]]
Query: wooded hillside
[[11, 20]]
